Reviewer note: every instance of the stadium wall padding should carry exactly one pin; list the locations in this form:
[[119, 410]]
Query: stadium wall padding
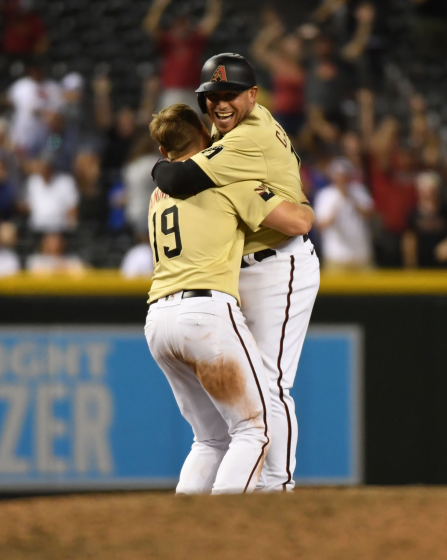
[[405, 381]]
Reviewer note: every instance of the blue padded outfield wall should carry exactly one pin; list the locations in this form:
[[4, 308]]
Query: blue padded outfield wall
[[88, 408]]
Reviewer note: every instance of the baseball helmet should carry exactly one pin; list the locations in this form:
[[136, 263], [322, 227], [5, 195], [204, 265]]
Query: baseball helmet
[[225, 72]]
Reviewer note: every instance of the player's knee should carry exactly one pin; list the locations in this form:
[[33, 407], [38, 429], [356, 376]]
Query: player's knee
[[254, 431], [220, 444]]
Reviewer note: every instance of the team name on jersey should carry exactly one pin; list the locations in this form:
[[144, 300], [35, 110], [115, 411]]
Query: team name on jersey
[[157, 195]]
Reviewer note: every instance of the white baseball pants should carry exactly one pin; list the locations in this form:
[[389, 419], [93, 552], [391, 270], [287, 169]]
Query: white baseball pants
[[277, 296], [214, 367]]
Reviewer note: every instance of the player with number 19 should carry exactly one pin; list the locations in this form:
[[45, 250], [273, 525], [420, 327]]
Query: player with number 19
[[195, 329]]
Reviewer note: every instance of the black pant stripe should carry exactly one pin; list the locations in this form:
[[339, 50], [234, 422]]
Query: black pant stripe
[[281, 391], [260, 394]]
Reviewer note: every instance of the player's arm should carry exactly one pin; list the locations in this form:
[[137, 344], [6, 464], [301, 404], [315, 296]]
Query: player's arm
[[237, 159], [257, 206], [179, 179], [291, 218]]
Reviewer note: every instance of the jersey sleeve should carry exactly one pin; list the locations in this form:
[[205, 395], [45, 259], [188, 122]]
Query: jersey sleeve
[[252, 201], [232, 160]]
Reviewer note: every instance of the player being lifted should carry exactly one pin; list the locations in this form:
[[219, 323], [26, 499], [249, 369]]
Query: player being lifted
[[195, 329], [280, 275]]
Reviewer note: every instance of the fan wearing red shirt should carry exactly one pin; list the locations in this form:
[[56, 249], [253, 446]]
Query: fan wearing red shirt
[[280, 54], [23, 32], [181, 47], [394, 193]]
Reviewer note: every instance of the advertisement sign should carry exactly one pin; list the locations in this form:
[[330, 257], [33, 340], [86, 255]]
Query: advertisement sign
[[88, 408]]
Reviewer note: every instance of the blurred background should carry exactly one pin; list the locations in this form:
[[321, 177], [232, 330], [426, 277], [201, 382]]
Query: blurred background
[[360, 87]]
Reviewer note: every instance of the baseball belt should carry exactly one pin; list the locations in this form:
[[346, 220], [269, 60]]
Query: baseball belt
[[259, 256], [189, 294]]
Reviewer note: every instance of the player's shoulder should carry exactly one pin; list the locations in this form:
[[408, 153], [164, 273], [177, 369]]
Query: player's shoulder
[[260, 120], [256, 128], [157, 197]]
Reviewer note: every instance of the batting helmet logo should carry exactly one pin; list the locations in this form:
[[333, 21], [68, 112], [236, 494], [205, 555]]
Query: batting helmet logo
[[219, 75]]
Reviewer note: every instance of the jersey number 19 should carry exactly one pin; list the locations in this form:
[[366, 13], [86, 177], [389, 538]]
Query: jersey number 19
[[166, 230]]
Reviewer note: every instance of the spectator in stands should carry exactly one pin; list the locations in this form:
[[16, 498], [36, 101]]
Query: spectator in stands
[[423, 139], [181, 48], [342, 212], [9, 261], [93, 205], [119, 130], [424, 244], [148, 101], [74, 109], [138, 261], [56, 135], [325, 90], [28, 96], [52, 258], [392, 175], [352, 149], [116, 220], [9, 159], [120, 139], [51, 198], [280, 53], [138, 182], [7, 192], [360, 31], [24, 32], [331, 70]]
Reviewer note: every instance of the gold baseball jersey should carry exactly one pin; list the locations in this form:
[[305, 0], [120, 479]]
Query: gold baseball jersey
[[257, 149], [198, 242]]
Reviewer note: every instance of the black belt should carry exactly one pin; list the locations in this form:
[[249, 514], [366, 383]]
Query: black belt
[[189, 294], [259, 256], [197, 293]]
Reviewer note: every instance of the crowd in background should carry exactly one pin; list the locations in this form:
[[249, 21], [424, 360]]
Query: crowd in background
[[76, 160]]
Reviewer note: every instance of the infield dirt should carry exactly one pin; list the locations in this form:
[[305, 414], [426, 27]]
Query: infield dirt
[[311, 524]]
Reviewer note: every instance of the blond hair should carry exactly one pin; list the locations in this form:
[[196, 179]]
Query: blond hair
[[176, 128]]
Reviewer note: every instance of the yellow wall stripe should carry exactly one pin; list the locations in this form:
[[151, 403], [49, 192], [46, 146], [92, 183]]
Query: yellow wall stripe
[[109, 282]]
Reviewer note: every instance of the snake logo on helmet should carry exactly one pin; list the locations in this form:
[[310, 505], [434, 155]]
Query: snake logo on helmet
[[225, 72]]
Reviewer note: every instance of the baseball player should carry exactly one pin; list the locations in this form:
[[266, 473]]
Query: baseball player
[[280, 275], [195, 329]]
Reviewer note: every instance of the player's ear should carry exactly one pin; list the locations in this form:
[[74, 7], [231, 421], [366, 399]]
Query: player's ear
[[206, 137], [163, 152], [252, 93]]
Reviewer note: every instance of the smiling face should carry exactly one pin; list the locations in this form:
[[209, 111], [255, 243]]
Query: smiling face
[[227, 109]]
